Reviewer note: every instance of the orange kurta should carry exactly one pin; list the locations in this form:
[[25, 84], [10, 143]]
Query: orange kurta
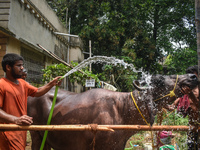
[[13, 100]]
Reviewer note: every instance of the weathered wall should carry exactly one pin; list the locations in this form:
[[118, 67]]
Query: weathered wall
[[25, 25], [4, 12], [35, 22], [75, 55], [13, 46], [49, 14]]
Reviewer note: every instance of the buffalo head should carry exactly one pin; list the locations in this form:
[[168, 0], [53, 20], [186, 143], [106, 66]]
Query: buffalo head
[[189, 80], [163, 90]]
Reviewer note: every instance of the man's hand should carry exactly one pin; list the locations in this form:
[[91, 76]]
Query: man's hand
[[44, 89], [56, 81], [23, 120]]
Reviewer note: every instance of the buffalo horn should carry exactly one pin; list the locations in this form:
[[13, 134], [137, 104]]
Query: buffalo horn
[[136, 84]]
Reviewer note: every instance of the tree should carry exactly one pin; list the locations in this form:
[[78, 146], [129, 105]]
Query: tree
[[142, 30], [55, 70], [197, 17], [179, 60]]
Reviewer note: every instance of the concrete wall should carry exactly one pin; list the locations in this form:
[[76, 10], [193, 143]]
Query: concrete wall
[[75, 55], [27, 23], [49, 14], [13, 46], [4, 12]]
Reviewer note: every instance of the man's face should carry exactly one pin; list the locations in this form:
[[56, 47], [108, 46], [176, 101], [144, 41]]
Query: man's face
[[196, 91], [24, 75], [17, 69]]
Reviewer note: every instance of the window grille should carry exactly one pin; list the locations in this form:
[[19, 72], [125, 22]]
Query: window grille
[[33, 63]]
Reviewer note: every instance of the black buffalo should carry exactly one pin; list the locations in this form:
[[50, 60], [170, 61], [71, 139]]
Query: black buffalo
[[100, 106]]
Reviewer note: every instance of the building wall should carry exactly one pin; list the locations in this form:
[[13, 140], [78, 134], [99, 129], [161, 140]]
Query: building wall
[[3, 45], [26, 25], [76, 55], [13, 46], [4, 12]]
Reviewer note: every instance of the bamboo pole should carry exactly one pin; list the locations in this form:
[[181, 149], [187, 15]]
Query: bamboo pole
[[59, 59], [13, 127], [148, 128]]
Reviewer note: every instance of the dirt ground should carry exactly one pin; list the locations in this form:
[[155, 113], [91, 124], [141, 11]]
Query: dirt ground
[[28, 141], [141, 141], [137, 140]]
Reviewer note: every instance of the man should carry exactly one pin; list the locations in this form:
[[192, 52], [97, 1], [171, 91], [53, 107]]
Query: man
[[190, 107], [13, 101], [24, 74]]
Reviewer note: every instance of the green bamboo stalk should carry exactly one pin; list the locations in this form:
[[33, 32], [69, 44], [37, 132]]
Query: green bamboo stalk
[[49, 118]]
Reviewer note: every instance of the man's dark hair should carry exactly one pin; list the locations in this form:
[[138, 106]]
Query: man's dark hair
[[192, 69], [10, 59]]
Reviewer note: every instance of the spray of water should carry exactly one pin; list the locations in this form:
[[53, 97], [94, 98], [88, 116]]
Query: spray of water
[[109, 60], [101, 59], [145, 79]]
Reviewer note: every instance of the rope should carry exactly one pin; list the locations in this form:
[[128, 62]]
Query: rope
[[171, 93], [138, 109], [94, 131], [143, 118]]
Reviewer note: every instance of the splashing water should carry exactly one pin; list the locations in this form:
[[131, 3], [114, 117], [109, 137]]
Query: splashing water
[[101, 59], [146, 79]]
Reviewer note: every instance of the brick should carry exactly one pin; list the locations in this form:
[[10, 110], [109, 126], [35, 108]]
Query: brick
[[4, 5], [4, 11], [4, 1], [4, 17], [3, 40], [4, 24]]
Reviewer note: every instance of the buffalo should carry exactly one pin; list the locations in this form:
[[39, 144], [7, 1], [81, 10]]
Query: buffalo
[[103, 107]]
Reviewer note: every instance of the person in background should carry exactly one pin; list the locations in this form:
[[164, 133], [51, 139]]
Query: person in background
[[13, 101], [24, 74], [190, 107]]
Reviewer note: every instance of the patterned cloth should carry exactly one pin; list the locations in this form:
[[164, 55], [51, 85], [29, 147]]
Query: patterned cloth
[[183, 105]]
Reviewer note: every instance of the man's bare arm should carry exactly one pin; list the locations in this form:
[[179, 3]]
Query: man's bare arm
[[44, 89], [7, 118], [173, 105]]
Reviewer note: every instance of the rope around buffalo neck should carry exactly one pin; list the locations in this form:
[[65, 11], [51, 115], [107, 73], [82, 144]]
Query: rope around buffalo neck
[[171, 93], [143, 118], [138, 109]]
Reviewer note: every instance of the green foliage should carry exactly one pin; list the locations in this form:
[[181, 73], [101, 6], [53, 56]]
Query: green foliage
[[122, 78], [143, 30], [55, 70], [119, 77], [178, 61], [115, 75], [176, 119]]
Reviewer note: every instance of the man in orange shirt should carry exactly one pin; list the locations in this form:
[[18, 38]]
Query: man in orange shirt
[[13, 101]]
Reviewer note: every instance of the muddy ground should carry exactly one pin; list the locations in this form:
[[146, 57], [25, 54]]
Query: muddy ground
[[136, 142]]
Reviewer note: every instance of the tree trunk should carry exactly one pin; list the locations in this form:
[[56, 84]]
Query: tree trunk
[[197, 20]]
